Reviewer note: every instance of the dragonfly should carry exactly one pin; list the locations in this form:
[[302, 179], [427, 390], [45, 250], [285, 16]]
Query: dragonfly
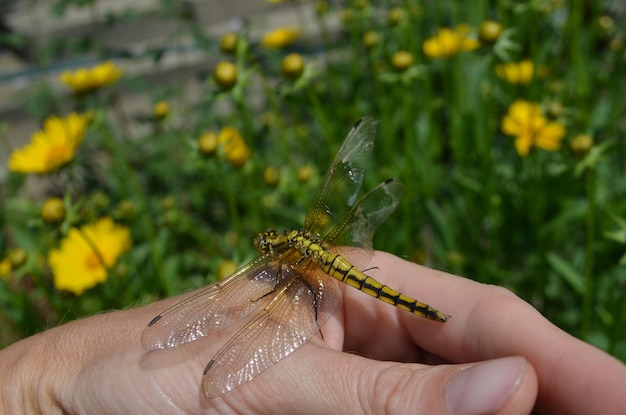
[[288, 292]]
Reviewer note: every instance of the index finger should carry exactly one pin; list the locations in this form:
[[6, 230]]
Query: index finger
[[489, 322]]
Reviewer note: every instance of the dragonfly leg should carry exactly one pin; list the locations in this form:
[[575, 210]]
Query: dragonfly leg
[[279, 277], [316, 298]]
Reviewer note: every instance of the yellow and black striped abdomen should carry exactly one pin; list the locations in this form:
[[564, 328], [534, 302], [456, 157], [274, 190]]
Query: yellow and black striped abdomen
[[339, 268]]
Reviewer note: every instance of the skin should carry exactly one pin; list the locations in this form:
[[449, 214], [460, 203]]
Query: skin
[[97, 365]]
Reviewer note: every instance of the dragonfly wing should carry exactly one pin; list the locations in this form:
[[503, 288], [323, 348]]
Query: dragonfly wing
[[343, 179], [214, 308], [299, 308], [359, 224]]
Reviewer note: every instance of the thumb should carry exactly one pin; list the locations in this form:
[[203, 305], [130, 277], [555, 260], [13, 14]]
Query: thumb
[[502, 386], [346, 383]]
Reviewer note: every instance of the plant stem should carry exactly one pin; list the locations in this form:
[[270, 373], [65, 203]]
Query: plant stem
[[321, 116], [589, 254]]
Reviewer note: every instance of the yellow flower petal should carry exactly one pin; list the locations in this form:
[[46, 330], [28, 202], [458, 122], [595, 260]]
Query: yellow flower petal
[[468, 44], [522, 145], [233, 146], [281, 37], [449, 42], [84, 80], [549, 138], [52, 147], [527, 124], [431, 48], [509, 125], [85, 255], [516, 73], [526, 70]]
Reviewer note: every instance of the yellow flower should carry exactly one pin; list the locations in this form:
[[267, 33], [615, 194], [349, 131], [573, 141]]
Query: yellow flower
[[281, 37], [86, 255], [516, 73], [530, 128], [238, 155], [449, 42], [52, 147], [235, 149], [84, 80]]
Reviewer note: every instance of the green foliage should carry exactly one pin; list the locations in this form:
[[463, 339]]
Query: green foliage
[[549, 226]]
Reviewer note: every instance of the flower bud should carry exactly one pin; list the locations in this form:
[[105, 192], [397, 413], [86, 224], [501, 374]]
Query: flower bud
[[271, 176], [53, 210], [581, 144], [207, 143], [228, 43], [401, 61], [489, 32], [225, 74], [292, 66], [160, 110], [17, 257], [370, 39]]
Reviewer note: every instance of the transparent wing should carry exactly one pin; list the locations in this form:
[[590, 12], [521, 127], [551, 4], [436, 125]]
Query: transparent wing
[[214, 308], [292, 317], [343, 180], [358, 225]]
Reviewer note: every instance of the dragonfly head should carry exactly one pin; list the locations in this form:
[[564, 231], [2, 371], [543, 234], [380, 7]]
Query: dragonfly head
[[266, 243]]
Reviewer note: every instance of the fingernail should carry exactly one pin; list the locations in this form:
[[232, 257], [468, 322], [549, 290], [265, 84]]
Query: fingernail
[[485, 387]]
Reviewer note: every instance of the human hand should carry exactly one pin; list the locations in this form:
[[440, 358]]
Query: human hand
[[97, 365]]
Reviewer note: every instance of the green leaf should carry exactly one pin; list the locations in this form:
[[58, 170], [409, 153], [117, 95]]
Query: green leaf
[[438, 221], [591, 160], [567, 272], [617, 235]]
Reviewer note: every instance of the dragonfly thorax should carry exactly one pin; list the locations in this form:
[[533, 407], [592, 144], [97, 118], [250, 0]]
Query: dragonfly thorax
[[308, 245], [272, 242]]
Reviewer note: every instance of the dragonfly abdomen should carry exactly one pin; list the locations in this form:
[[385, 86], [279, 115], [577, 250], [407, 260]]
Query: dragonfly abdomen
[[339, 268]]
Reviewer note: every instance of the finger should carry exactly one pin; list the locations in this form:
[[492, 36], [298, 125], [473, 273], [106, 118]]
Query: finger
[[377, 329], [490, 322], [322, 381]]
